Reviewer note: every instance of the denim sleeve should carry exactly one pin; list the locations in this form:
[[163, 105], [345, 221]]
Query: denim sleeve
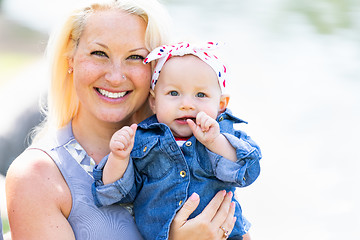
[[120, 191], [246, 169]]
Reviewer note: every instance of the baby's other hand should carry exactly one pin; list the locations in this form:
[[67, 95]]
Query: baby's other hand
[[122, 141]]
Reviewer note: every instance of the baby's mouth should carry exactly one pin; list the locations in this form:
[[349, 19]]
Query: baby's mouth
[[113, 95], [184, 119]]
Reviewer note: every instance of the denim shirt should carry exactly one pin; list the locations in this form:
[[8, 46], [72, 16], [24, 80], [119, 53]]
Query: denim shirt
[[165, 175]]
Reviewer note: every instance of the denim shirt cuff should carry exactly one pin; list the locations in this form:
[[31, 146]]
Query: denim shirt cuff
[[111, 193], [236, 172], [243, 149], [224, 169]]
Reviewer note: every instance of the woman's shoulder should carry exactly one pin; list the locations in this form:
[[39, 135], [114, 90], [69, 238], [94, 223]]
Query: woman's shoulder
[[31, 163], [36, 193], [35, 170]]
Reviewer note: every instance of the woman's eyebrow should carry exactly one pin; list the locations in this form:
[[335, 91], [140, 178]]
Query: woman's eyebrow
[[132, 50], [137, 49], [102, 45]]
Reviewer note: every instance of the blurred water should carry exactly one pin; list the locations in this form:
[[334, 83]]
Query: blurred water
[[295, 77]]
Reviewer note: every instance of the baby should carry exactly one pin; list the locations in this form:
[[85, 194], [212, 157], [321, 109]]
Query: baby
[[188, 146]]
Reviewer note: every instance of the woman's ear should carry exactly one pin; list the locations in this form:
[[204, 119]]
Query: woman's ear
[[224, 101], [152, 101], [70, 62]]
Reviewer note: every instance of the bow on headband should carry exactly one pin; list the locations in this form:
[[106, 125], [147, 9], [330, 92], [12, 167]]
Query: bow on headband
[[164, 52]]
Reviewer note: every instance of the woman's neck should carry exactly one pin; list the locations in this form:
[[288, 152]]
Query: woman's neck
[[94, 135]]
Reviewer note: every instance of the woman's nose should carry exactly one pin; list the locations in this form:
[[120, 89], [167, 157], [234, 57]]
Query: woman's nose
[[115, 75]]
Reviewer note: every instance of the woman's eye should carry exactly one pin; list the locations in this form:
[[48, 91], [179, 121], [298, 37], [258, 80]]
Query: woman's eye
[[200, 94], [99, 53], [136, 57], [173, 93]]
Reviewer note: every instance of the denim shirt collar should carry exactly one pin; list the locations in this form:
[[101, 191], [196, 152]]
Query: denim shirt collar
[[227, 115], [151, 123]]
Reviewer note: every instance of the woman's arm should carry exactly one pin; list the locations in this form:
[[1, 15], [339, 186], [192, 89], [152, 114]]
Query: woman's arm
[[38, 199], [218, 213]]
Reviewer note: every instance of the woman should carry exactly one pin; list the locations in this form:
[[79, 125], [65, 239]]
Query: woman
[[99, 84]]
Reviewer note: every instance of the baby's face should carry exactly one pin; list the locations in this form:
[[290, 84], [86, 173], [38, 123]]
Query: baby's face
[[186, 86]]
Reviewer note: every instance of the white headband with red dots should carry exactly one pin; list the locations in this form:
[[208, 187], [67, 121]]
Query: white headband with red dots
[[164, 52]]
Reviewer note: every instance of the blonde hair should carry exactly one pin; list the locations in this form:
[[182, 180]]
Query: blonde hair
[[62, 102]]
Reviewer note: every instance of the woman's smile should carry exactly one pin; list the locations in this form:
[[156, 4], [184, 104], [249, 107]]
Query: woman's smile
[[112, 95]]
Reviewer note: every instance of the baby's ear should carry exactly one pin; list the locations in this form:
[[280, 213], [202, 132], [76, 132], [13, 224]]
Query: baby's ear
[[152, 100], [224, 101]]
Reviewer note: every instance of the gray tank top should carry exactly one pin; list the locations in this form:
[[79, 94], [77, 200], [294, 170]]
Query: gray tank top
[[87, 220]]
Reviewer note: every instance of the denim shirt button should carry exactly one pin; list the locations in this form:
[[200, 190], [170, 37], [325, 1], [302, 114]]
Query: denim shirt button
[[183, 173], [180, 202], [188, 143], [221, 118], [145, 148]]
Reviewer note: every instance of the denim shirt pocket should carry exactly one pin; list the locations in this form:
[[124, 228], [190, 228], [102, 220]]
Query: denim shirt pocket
[[149, 159], [207, 160]]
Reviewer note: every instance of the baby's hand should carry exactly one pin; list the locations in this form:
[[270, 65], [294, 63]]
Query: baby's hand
[[122, 141], [206, 128]]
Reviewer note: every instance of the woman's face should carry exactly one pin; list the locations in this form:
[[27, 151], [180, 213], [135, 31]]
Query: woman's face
[[110, 79]]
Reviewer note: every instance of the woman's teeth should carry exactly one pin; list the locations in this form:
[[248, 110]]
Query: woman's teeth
[[111, 94]]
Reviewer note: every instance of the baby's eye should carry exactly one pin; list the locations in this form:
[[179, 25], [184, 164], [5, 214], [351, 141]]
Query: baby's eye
[[99, 53], [201, 95], [173, 93]]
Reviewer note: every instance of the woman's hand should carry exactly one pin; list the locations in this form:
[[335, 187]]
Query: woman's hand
[[207, 225]]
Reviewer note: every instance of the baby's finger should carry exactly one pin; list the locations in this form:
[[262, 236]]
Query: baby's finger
[[212, 123], [128, 133], [205, 121], [206, 124], [119, 145], [199, 118], [191, 125], [133, 128]]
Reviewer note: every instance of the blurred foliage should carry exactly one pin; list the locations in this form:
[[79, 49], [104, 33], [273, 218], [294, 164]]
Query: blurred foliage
[[327, 16], [5, 223], [12, 62], [324, 16]]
